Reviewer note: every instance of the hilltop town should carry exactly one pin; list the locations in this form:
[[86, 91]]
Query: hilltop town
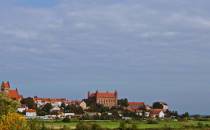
[[97, 105]]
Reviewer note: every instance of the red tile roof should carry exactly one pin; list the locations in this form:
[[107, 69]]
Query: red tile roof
[[50, 100], [30, 110], [103, 94], [155, 111], [13, 94], [136, 106], [135, 103]]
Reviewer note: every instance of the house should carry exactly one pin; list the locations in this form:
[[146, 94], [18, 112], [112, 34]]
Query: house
[[55, 109], [160, 105], [11, 93], [156, 113], [22, 109], [30, 113], [69, 115], [80, 103], [148, 108], [107, 99], [136, 106], [55, 102]]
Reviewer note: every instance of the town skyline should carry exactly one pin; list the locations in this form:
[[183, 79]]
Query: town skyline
[[147, 50], [70, 98]]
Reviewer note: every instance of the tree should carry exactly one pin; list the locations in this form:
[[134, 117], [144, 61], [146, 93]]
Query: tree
[[123, 102], [47, 107], [157, 105], [74, 109], [29, 102], [7, 105], [13, 121], [63, 106], [173, 113], [186, 115], [99, 108], [122, 125]]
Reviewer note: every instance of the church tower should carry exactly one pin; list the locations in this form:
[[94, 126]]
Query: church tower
[[5, 87]]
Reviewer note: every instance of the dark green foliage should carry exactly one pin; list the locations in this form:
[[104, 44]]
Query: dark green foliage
[[152, 122], [73, 109], [122, 125], [36, 125], [29, 102], [45, 110], [66, 119], [173, 113], [88, 126], [40, 112], [98, 108], [7, 105], [157, 105], [200, 125], [65, 128], [47, 107], [63, 106], [123, 102], [134, 127], [186, 115]]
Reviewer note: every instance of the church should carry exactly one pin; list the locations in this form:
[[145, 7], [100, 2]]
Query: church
[[108, 99], [11, 93]]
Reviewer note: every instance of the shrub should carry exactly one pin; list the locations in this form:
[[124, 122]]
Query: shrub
[[200, 125], [152, 122], [66, 120], [65, 128], [13, 121]]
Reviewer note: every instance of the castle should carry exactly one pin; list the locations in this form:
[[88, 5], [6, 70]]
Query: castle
[[108, 99], [11, 93]]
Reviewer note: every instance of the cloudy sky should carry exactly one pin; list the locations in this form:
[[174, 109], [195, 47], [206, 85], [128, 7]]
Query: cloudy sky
[[148, 50]]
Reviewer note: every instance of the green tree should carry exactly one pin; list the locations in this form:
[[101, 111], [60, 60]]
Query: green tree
[[186, 115], [29, 102], [122, 125], [47, 107], [157, 105], [123, 102], [74, 109], [63, 106], [7, 105], [134, 127]]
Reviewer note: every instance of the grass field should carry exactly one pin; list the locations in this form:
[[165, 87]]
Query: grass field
[[139, 124]]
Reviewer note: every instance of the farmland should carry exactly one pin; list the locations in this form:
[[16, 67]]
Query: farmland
[[172, 124]]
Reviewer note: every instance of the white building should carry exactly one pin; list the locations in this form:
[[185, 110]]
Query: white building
[[157, 113], [30, 113]]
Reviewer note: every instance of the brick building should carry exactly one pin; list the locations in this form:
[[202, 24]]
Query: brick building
[[136, 106], [108, 99], [11, 93]]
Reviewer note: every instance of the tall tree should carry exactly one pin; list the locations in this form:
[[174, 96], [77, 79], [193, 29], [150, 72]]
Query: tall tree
[[47, 107], [7, 105], [123, 102], [29, 102]]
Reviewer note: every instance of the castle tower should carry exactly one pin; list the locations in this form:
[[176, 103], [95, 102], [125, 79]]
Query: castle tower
[[5, 87]]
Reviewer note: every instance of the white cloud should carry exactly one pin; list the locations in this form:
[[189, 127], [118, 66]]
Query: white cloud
[[131, 42]]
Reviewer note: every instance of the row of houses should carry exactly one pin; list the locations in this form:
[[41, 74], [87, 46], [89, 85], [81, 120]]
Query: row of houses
[[107, 99], [56, 102]]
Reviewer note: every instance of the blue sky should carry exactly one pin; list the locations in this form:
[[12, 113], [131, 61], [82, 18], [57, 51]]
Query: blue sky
[[147, 50]]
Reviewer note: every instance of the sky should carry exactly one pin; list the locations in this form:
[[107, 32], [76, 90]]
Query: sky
[[147, 50]]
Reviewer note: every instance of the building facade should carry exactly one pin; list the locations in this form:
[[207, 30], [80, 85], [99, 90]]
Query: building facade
[[107, 99], [136, 106], [11, 93]]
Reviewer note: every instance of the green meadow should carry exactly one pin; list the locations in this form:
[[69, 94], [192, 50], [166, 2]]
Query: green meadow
[[171, 124]]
